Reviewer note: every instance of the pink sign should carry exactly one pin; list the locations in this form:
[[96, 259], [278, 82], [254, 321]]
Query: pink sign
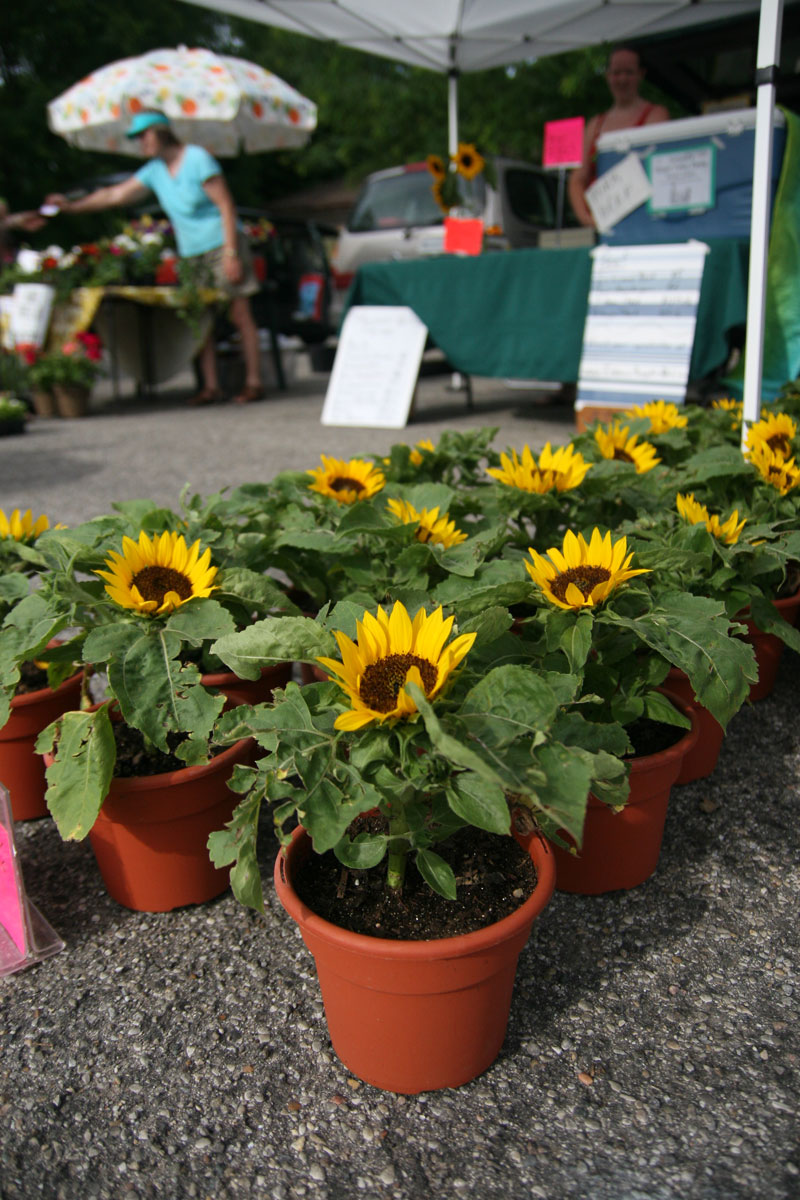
[[563, 143], [11, 915]]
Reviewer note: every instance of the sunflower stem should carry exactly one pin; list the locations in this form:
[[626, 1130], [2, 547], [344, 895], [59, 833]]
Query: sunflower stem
[[396, 869]]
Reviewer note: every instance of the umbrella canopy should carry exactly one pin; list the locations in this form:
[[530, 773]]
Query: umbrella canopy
[[225, 104]]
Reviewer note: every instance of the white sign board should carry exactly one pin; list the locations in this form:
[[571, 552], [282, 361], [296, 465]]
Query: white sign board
[[682, 179], [31, 306], [376, 367], [640, 323], [618, 192]]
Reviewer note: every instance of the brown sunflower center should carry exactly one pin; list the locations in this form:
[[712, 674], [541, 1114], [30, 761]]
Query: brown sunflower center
[[586, 578], [153, 583], [342, 483], [383, 679], [780, 443], [622, 455]]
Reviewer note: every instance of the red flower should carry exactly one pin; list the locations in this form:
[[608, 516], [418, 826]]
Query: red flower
[[28, 351], [91, 344]]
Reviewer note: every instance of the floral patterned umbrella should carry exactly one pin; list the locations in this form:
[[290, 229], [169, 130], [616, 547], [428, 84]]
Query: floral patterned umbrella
[[225, 104]]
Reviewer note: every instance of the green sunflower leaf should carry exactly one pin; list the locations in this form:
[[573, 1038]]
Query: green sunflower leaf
[[274, 640], [479, 802], [80, 776], [436, 873], [236, 844]]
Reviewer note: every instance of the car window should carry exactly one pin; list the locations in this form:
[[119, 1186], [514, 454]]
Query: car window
[[530, 197], [396, 202]]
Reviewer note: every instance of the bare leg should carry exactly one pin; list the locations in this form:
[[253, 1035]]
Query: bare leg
[[242, 317], [208, 363]]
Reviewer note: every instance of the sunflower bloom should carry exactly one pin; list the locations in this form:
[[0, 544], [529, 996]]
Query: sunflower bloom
[[439, 531], [436, 166], [158, 576], [582, 574], [416, 456], [734, 407], [438, 197], [346, 481], [469, 162], [776, 430], [21, 527], [616, 442], [776, 470], [557, 470], [695, 513], [662, 416], [391, 651]]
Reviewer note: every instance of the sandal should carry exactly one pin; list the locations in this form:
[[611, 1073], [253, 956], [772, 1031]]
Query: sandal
[[249, 393], [205, 396]]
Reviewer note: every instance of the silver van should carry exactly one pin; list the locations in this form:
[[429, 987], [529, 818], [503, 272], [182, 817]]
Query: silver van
[[396, 216]]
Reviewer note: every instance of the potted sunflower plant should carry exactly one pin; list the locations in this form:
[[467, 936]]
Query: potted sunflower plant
[[391, 785], [139, 769], [35, 688]]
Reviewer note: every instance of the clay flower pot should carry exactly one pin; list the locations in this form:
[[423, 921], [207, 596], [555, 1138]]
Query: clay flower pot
[[150, 837], [44, 402], [411, 1016], [249, 691], [700, 761], [621, 849], [769, 648], [21, 768]]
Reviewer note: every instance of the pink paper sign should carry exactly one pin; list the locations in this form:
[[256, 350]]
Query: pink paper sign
[[11, 915], [563, 142]]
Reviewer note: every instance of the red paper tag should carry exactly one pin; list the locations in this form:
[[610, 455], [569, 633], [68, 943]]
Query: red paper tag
[[463, 235]]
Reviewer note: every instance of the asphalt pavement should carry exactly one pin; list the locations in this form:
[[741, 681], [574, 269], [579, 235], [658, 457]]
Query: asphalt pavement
[[652, 1051]]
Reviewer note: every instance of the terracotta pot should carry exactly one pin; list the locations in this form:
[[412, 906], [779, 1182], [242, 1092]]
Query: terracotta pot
[[700, 761], [313, 673], [621, 849], [21, 768], [249, 691], [411, 1016], [769, 648], [150, 837], [72, 401], [44, 403]]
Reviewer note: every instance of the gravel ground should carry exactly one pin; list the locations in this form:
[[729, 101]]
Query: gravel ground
[[652, 1050]]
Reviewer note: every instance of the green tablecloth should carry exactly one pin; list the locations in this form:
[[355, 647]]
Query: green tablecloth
[[519, 314]]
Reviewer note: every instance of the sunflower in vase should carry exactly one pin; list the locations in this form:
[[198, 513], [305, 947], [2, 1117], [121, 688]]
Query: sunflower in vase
[[454, 178]]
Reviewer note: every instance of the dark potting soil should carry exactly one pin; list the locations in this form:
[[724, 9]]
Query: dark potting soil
[[135, 758], [31, 679], [651, 737], [494, 876]]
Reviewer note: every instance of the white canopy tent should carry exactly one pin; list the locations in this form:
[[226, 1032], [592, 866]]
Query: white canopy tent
[[453, 36]]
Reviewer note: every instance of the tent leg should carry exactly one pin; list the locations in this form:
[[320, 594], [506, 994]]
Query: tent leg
[[769, 36]]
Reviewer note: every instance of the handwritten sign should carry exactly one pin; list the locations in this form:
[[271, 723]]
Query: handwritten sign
[[683, 179], [32, 304], [25, 936], [563, 143], [376, 367], [618, 192]]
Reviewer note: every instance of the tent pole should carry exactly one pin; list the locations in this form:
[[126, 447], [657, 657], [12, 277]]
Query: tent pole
[[452, 111], [769, 37]]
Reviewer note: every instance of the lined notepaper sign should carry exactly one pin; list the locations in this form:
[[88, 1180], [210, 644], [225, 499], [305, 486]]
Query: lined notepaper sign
[[376, 367], [640, 324]]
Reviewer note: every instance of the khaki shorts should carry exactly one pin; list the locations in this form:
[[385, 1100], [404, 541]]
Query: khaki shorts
[[214, 260]]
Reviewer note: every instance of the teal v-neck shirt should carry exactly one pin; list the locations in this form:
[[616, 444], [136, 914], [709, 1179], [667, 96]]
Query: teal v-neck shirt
[[196, 220]]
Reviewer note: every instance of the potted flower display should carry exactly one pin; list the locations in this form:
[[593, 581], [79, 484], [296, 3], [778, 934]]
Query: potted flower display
[[13, 415], [67, 373], [393, 783], [37, 687], [139, 770]]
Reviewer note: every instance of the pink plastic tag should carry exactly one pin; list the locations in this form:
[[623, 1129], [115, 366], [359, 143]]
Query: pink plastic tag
[[12, 916], [563, 143]]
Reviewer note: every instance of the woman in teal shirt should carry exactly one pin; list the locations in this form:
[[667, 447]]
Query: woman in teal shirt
[[192, 191]]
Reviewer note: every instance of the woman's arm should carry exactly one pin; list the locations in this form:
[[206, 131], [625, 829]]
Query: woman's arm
[[217, 190], [581, 177], [127, 192]]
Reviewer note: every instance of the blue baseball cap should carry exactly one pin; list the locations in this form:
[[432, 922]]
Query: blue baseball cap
[[144, 120]]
